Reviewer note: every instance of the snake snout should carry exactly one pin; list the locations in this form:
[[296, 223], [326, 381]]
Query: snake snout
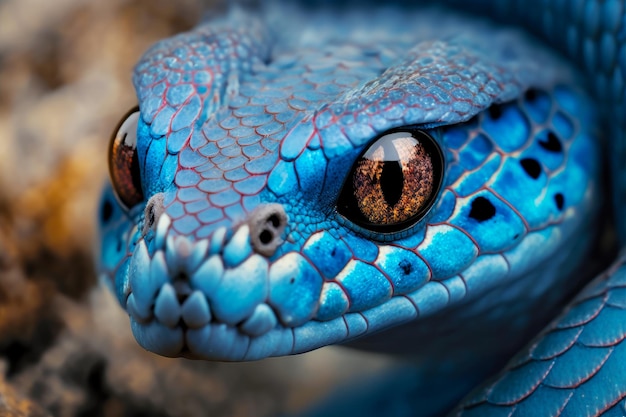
[[198, 288]]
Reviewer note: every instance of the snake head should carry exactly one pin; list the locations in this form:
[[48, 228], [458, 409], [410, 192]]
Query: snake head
[[267, 201]]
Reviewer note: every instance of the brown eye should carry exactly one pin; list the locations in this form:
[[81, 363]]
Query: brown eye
[[394, 183], [124, 162]]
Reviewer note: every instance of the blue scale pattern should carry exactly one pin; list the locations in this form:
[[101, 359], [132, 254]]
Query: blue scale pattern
[[261, 130], [565, 373], [237, 117]]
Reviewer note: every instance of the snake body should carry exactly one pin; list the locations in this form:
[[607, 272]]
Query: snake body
[[235, 227]]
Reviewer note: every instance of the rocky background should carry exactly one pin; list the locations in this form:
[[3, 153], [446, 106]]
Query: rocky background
[[65, 346]]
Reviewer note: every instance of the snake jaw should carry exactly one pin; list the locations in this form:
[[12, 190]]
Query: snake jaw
[[217, 298]]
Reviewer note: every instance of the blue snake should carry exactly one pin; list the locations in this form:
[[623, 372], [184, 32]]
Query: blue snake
[[405, 179]]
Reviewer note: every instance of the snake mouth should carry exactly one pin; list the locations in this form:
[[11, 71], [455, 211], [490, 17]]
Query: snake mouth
[[211, 311], [182, 323], [177, 304], [218, 298]]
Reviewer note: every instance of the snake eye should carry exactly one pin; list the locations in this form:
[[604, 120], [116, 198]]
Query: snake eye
[[394, 182], [124, 162]]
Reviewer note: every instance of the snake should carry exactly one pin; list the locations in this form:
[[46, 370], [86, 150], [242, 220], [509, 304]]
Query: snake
[[432, 181]]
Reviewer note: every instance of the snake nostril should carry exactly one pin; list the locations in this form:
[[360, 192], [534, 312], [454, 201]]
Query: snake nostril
[[152, 212], [275, 220], [266, 237], [267, 223]]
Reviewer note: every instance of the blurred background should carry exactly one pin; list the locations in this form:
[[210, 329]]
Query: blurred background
[[65, 345]]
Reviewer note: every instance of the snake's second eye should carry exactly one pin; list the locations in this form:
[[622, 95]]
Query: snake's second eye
[[394, 183], [124, 162]]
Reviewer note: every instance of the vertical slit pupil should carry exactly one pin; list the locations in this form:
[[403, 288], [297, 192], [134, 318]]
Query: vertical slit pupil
[[136, 175], [392, 182]]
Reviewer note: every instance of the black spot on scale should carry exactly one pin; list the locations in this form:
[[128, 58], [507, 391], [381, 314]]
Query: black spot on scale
[[495, 111], [532, 167], [482, 209], [551, 143], [530, 95], [559, 200], [406, 266]]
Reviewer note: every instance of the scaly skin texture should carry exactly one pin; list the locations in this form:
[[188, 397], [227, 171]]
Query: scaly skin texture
[[247, 136]]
